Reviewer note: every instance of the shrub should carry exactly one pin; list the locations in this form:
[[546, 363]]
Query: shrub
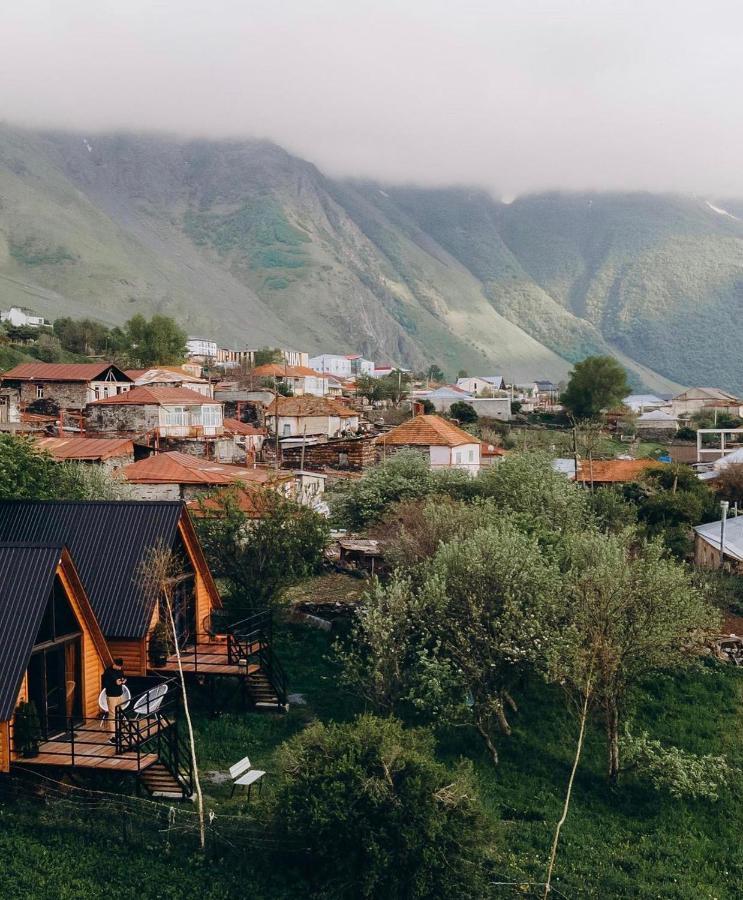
[[377, 815]]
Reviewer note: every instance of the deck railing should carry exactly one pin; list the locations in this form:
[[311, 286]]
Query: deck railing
[[84, 740]]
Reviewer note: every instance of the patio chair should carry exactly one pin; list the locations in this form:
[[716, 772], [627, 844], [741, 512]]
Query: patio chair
[[149, 703], [244, 776], [103, 702]]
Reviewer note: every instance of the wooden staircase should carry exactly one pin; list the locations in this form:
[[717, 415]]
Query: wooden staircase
[[262, 692], [159, 781]]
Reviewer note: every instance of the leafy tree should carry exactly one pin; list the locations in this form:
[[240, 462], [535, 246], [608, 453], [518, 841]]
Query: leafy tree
[[48, 348], [516, 407], [260, 557], [267, 355], [428, 408], [82, 336], [629, 612], [435, 373], [544, 500], [463, 373], [159, 341], [377, 815], [596, 383], [404, 476], [463, 412], [455, 646], [670, 501], [391, 387]]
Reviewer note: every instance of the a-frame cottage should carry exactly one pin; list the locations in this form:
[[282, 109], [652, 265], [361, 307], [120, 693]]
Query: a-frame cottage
[[110, 542], [53, 652]]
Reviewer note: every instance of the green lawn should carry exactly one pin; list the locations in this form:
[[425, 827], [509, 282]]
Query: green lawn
[[628, 842]]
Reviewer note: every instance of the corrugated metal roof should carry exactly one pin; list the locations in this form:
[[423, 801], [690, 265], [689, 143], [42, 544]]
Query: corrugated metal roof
[[40, 371], [733, 536], [174, 467], [85, 447], [156, 396], [26, 582], [108, 541]]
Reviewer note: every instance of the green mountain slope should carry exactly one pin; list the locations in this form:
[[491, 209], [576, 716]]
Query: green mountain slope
[[241, 241]]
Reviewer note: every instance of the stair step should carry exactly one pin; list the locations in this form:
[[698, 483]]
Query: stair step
[[160, 782]]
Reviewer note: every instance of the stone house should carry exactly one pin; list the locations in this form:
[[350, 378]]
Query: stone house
[[176, 413], [695, 400], [52, 387], [707, 545], [181, 476]]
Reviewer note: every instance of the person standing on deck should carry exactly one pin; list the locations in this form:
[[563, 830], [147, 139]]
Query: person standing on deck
[[113, 685]]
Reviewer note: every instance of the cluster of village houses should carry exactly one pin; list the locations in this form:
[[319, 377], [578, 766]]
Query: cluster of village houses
[[176, 433], [291, 426]]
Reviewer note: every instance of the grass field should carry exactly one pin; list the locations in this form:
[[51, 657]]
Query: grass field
[[629, 842]]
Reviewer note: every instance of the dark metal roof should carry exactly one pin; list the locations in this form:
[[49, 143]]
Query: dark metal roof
[[26, 582], [108, 541]]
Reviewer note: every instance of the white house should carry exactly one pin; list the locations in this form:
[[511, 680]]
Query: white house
[[332, 363], [201, 348], [640, 403], [171, 377], [480, 384], [20, 317], [657, 420], [443, 397], [446, 445]]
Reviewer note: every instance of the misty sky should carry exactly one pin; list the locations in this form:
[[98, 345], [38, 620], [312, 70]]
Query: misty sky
[[513, 96]]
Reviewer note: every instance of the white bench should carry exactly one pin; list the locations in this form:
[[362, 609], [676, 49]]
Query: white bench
[[243, 775]]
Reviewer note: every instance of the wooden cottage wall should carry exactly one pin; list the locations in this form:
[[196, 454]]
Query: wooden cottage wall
[[134, 654]]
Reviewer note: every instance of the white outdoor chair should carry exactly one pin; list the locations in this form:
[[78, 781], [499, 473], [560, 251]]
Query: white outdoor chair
[[103, 702], [242, 775], [149, 703]]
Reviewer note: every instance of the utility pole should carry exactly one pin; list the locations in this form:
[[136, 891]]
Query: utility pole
[[724, 507]]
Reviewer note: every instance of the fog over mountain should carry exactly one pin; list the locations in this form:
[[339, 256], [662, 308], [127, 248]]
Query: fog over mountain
[[604, 94]]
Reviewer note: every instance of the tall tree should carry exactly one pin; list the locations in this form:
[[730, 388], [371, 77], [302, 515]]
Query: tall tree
[[596, 383], [159, 341], [629, 611]]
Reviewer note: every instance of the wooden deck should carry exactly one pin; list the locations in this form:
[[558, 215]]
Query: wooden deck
[[91, 751], [206, 659]]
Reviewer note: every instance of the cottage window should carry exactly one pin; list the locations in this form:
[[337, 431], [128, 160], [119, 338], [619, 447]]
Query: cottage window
[[286, 429], [39, 391], [97, 392], [471, 456], [211, 415], [176, 415], [458, 457]]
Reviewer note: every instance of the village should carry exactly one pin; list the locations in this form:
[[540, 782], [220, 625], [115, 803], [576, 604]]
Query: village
[[236, 533]]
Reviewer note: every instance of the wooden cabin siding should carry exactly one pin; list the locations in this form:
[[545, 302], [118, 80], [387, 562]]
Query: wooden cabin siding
[[134, 654], [93, 663], [4, 747]]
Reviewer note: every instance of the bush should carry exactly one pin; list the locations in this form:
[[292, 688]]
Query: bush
[[463, 412], [377, 815]]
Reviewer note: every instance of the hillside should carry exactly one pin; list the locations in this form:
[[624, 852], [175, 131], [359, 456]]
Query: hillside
[[242, 241]]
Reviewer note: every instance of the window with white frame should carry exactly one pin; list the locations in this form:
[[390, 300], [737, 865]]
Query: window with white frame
[[470, 456], [211, 415], [39, 391], [458, 456], [176, 415]]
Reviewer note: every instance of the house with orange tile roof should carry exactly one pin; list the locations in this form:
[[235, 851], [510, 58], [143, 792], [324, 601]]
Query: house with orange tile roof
[[446, 445], [614, 471]]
